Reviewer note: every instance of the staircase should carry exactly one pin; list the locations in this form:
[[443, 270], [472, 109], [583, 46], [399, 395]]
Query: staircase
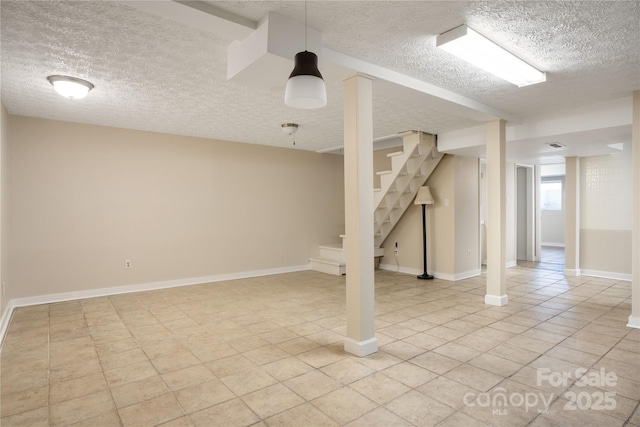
[[410, 169]]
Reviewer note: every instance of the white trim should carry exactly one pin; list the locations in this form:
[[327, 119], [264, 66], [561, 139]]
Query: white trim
[[572, 272], [606, 274], [498, 300], [511, 264], [361, 348], [634, 322], [457, 276], [404, 270], [467, 274], [116, 290], [553, 245], [6, 319], [442, 276]]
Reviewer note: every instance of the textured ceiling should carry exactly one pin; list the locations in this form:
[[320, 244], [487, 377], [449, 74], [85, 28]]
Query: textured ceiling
[[152, 73]]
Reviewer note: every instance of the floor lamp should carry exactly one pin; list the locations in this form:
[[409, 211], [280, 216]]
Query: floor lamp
[[424, 198]]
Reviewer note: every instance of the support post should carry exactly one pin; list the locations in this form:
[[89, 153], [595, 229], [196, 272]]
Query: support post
[[634, 318], [358, 185], [496, 217], [572, 217]]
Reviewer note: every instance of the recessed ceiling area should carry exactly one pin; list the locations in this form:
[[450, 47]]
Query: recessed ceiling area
[[155, 72]]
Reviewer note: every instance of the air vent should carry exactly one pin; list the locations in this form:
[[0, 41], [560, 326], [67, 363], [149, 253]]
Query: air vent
[[556, 145]]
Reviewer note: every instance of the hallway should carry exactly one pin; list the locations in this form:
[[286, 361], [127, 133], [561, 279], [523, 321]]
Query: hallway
[[552, 259]]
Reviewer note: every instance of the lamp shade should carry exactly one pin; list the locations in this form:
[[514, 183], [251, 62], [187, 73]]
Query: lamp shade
[[305, 87], [424, 196], [70, 87]]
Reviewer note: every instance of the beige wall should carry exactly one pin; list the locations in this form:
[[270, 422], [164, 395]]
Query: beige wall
[[605, 251], [467, 217], [606, 213], [452, 223], [382, 163], [510, 181], [3, 187], [552, 224], [83, 199]]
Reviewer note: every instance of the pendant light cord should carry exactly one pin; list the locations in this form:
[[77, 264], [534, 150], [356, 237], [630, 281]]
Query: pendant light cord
[[305, 25]]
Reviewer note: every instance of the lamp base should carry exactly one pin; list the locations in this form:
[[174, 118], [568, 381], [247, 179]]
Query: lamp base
[[425, 276]]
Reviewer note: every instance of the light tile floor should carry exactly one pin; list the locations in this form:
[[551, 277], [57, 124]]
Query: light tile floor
[[552, 255], [268, 351], [551, 258]]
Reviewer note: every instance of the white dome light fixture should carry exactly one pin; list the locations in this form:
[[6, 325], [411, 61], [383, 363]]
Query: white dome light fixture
[[70, 87], [305, 87]]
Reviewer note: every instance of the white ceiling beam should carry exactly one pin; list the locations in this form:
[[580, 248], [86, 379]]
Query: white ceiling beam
[[232, 27], [436, 97]]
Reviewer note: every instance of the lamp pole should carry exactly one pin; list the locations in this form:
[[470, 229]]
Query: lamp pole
[[425, 275], [424, 198]]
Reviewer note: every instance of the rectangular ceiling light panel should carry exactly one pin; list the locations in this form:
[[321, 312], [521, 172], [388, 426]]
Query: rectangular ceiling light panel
[[478, 50]]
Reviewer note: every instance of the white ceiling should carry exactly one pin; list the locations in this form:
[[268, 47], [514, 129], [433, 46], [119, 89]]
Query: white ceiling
[[155, 73]]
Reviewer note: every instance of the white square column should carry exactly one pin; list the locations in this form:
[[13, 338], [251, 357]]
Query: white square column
[[572, 217], [496, 214], [634, 319], [358, 191]]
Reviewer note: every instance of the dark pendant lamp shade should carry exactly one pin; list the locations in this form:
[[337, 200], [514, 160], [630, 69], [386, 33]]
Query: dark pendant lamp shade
[[305, 87]]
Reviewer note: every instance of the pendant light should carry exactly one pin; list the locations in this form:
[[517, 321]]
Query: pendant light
[[305, 87]]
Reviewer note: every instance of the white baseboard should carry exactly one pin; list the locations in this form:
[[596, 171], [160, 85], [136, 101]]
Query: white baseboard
[[5, 320], [498, 300], [361, 348], [606, 274], [553, 245], [442, 276], [116, 290], [511, 263], [572, 272], [467, 274], [634, 322], [395, 268]]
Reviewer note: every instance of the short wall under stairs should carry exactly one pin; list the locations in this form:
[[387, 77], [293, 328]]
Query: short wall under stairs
[[332, 259]]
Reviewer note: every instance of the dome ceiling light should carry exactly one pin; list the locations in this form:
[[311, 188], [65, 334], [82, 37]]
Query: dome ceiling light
[[70, 87]]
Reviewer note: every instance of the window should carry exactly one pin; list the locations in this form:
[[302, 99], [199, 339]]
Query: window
[[551, 195]]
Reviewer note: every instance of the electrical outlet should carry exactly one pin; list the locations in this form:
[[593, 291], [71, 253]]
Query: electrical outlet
[[395, 252], [469, 253], [127, 264]]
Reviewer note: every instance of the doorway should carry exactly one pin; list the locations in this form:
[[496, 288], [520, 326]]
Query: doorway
[[525, 213], [552, 215]]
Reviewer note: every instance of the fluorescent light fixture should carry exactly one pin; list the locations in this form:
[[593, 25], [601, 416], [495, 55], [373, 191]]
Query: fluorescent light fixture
[[70, 87], [478, 50]]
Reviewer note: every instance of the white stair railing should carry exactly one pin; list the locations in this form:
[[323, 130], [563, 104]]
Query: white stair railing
[[410, 169]]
